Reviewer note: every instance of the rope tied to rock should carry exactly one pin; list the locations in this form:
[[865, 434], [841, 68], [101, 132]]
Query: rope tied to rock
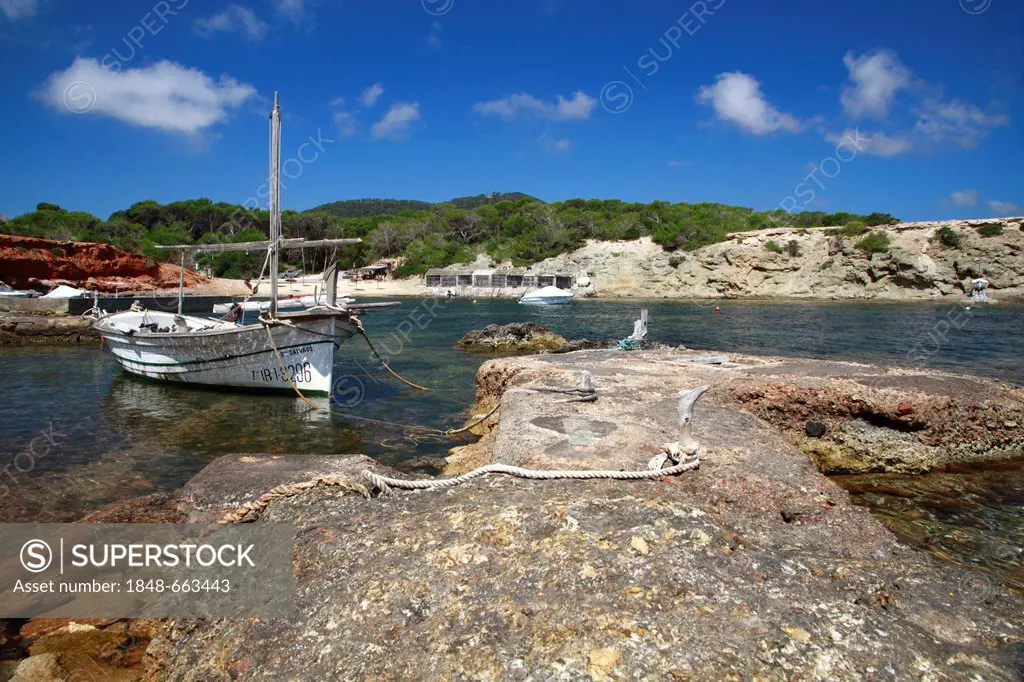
[[258, 506], [684, 453], [385, 483]]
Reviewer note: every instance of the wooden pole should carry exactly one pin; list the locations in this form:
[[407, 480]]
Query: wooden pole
[[275, 201], [181, 285]]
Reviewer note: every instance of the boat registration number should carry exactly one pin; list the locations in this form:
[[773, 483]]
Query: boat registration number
[[300, 372]]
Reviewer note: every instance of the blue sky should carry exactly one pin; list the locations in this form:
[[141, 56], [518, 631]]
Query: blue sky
[[908, 107]]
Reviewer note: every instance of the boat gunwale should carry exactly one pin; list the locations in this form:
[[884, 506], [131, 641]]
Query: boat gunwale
[[235, 329]]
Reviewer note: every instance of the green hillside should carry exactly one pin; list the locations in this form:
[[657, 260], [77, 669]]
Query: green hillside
[[514, 227]]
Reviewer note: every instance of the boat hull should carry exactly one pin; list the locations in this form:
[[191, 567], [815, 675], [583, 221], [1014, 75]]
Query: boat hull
[[240, 357], [562, 300]]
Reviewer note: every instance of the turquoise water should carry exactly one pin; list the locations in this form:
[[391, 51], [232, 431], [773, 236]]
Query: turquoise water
[[114, 436]]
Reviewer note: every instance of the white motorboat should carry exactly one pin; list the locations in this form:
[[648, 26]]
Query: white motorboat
[[283, 351], [547, 296]]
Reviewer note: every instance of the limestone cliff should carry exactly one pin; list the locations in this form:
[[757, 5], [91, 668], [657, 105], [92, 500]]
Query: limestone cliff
[[916, 266]]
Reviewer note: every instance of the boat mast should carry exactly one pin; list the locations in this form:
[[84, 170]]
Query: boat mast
[[275, 201], [181, 285]]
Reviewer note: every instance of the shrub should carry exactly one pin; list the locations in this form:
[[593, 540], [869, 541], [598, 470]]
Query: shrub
[[949, 237], [675, 261], [773, 246], [991, 230], [793, 248], [876, 242], [881, 219], [57, 251], [853, 228]]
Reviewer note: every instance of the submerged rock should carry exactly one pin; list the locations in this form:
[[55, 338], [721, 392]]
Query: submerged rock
[[515, 337]]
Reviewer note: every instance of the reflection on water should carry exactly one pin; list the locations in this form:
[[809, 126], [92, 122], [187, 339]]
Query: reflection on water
[[973, 518], [118, 436]]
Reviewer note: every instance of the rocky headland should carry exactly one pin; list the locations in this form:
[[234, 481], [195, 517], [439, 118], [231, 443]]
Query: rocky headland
[[922, 261], [42, 264], [753, 566]]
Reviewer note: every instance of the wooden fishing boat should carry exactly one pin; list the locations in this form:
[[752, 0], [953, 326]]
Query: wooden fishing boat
[[288, 351]]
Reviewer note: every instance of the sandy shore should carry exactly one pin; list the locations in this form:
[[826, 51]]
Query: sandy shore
[[236, 287]]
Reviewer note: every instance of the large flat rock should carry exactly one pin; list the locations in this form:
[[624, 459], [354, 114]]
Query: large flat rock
[[755, 566]]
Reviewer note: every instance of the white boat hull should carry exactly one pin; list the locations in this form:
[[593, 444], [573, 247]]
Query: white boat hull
[[547, 296], [227, 355], [547, 301]]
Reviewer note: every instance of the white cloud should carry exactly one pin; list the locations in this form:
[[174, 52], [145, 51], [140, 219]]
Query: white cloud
[[737, 97], [19, 9], [395, 124], [234, 19], [964, 197], [293, 10], [956, 122], [346, 123], [874, 80], [1005, 208], [164, 95], [563, 144], [578, 106], [875, 143], [338, 102], [371, 95]]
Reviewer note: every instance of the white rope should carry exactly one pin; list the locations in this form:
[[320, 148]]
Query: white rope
[[384, 483]]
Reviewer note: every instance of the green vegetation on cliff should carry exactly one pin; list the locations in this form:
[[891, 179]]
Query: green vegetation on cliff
[[514, 227]]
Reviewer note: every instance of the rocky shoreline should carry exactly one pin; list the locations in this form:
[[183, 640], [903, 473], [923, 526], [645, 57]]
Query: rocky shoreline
[[755, 564], [31, 330], [918, 261]]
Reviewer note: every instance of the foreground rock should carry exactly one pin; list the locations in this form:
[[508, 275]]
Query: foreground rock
[[754, 566]]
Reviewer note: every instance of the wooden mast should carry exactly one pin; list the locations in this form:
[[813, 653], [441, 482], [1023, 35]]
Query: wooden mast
[[181, 285], [275, 201]]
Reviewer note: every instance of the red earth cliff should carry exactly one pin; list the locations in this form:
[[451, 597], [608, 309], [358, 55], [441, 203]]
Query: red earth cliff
[[42, 264]]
